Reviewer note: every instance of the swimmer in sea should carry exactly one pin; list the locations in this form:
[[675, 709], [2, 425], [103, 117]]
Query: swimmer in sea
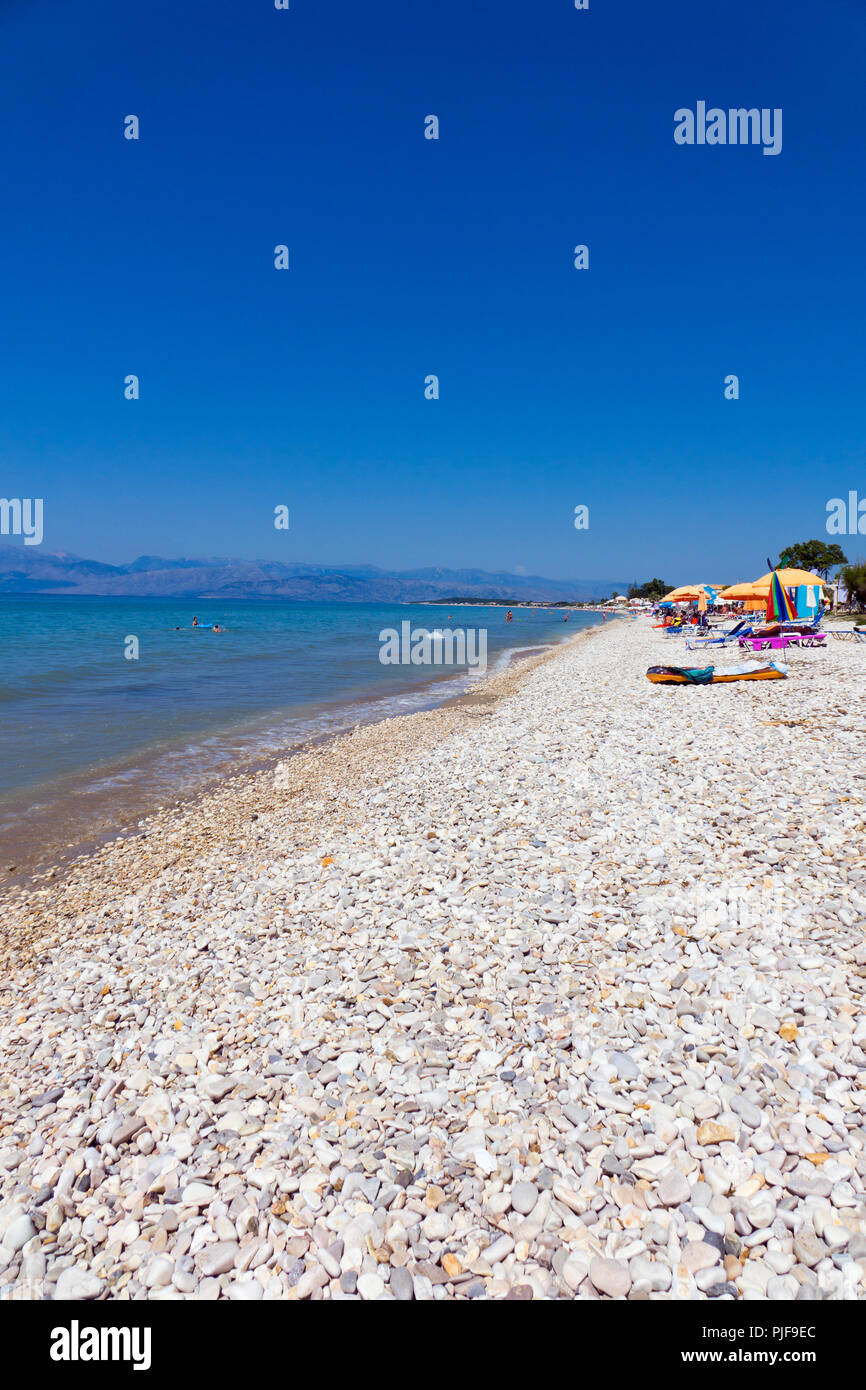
[[508, 616], [195, 622]]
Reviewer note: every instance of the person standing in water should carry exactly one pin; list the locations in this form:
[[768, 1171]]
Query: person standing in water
[[195, 622], [508, 616]]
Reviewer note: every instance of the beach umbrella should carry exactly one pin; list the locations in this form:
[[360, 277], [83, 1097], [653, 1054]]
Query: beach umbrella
[[741, 591], [758, 590], [779, 606], [790, 579], [687, 593], [691, 593]]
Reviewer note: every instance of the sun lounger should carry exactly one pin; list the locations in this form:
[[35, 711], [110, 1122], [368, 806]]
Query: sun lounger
[[783, 640]]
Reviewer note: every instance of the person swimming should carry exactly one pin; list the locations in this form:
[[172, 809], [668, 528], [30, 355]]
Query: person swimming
[[508, 616]]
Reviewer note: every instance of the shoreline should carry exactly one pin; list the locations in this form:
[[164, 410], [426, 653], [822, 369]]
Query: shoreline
[[252, 783], [553, 993], [69, 819]]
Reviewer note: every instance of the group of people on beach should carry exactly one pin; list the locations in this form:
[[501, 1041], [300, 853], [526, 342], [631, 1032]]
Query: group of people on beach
[[681, 619]]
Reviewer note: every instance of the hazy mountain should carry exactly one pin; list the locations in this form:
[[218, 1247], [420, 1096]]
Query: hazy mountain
[[29, 569]]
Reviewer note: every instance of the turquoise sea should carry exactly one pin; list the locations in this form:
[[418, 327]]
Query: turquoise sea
[[90, 739]]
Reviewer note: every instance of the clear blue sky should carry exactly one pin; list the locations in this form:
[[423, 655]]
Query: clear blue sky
[[411, 257]]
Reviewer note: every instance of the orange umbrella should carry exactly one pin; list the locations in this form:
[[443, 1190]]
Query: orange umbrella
[[742, 591], [790, 579], [688, 593]]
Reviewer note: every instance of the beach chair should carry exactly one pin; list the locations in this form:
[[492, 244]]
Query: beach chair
[[783, 640], [723, 639]]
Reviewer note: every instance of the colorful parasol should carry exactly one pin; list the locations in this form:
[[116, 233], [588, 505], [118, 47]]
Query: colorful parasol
[[779, 606]]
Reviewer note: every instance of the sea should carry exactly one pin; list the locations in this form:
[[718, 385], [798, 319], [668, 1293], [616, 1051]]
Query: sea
[[92, 740]]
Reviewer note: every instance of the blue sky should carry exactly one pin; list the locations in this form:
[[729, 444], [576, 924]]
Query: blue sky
[[454, 257]]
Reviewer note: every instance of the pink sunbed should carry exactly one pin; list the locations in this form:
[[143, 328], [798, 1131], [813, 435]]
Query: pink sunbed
[[783, 640]]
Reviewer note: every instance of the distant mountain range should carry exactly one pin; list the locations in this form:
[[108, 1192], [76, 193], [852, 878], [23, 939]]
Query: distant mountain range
[[29, 570]]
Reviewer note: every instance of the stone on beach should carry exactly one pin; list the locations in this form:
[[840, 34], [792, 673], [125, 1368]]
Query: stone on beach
[[611, 1277], [218, 1258], [77, 1283], [673, 1190]]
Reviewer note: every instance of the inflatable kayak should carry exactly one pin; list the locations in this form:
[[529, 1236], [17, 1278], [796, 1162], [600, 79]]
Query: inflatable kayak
[[707, 675]]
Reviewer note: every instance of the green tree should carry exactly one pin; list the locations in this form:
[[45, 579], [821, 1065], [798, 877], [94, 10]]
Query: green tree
[[653, 588], [816, 556], [854, 579]]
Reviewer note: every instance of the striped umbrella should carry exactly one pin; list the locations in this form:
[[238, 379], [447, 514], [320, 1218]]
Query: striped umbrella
[[779, 606]]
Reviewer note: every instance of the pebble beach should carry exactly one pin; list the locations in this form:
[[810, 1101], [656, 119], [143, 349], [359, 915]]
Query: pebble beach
[[552, 992]]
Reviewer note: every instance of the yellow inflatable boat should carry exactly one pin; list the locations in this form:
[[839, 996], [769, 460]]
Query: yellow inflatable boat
[[708, 675]]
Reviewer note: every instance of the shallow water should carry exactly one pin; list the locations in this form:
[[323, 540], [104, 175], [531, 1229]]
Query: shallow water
[[90, 739]]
